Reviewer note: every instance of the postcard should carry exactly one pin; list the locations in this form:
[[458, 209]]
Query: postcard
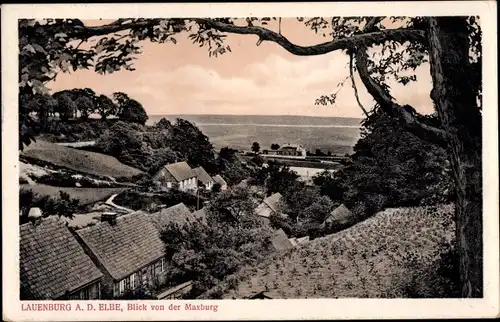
[[250, 161]]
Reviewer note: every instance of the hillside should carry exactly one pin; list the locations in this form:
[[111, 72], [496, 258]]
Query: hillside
[[84, 195], [391, 254], [78, 160]]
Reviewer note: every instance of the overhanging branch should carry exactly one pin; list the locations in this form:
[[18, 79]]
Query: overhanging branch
[[389, 106], [264, 34], [366, 39]]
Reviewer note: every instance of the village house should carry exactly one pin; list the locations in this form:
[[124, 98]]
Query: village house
[[292, 150], [269, 206], [53, 266], [218, 179], [176, 175], [341, 217], [128, 250], [204, 178]]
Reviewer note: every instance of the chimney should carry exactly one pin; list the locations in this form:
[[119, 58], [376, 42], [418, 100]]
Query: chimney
[[109, 217]]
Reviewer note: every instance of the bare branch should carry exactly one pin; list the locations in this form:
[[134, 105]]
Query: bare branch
[[386, 102], [351, 73]]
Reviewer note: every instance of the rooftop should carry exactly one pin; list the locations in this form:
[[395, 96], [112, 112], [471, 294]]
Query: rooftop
[[51, 260], [180, 171], [125, 247], [220, 180], [203, 175], [178, 214]]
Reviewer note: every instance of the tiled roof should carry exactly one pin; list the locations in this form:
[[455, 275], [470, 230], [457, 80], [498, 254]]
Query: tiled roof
[[51, 260], [178, 214], [220, 180], [280, 240], [269, 205], [203, 176], [340, 215], [129, 245], [180, 171], [273, 201]]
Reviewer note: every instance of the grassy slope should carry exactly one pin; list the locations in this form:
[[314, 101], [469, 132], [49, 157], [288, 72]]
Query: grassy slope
[[370, 259], [84, 195], [79, 160]]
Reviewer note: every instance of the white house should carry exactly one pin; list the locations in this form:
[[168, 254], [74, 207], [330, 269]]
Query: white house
[[178, 175], [204, 178]]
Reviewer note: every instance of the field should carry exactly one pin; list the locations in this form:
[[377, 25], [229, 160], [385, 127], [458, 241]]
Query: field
[[84, 195], [390, 255], [337, 135], [79, 160]]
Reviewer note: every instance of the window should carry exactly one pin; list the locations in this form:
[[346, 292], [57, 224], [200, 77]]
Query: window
[[169, 184], [121, 287], [84, 294], [132, 281], [162, 265]]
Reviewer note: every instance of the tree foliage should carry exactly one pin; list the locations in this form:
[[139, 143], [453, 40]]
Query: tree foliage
[[209, 252]]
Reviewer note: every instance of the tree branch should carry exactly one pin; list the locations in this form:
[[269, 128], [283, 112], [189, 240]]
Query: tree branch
[[366, 39], [386, 102], [351, 74], [264, 34], [85, 32]]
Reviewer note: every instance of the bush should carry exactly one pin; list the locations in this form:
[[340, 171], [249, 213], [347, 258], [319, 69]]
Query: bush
[[64, 205]]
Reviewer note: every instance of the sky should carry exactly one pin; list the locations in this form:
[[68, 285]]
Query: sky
[[173, 79]]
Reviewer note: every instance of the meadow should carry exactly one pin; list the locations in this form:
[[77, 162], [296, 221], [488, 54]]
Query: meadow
[[79, 160]]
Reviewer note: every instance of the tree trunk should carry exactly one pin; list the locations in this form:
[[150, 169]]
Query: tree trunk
[[456, 105]]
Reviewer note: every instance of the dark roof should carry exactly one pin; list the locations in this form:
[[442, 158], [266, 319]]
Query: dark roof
[[178, 214], [124, 248], [51, 260], [280, 240], [203, 176], [220, 180], [180, 171]]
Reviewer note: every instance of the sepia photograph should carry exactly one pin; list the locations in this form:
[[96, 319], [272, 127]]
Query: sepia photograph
[[249, 157]]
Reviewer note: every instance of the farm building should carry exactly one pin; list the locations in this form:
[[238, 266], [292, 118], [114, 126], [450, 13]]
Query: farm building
[[340, 217], [268, 206], [178, 175], [204, 178], [53, 266], [218, 179], [294, 150], [127, 249]]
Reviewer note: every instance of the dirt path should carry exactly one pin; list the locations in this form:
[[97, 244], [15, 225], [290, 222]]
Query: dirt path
[[112, 204]]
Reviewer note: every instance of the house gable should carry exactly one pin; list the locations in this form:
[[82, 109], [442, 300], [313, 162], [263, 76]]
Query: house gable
[[130, 244], [52, 263]]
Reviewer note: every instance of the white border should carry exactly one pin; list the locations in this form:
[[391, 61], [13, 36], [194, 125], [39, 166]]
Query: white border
[[276, 309]]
